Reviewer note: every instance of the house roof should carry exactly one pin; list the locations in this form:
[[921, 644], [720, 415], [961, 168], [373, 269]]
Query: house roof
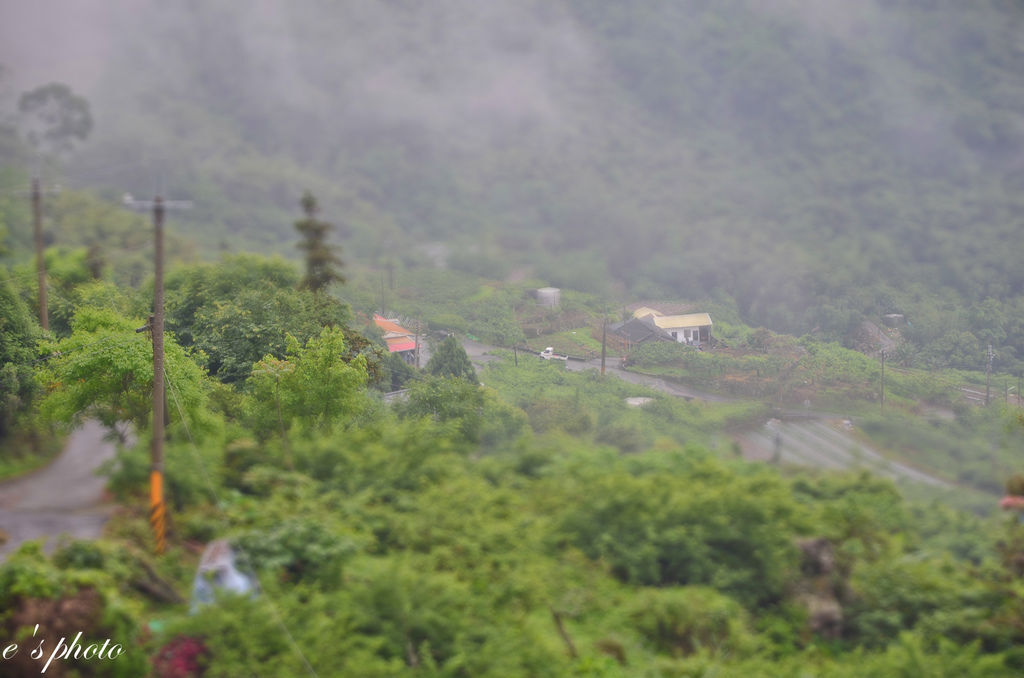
[[399, 344], [689, 320], [645, 311], [636, 330], [390, 326], [663, 306], [396, 337]]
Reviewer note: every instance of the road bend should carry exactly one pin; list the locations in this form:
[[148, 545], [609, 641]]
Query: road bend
[[65, 498]]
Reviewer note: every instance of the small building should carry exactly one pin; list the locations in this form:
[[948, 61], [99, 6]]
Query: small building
[[691, 328], [625, 335], [398, 339]]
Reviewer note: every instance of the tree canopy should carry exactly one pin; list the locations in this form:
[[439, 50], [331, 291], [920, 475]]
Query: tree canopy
[[322, 261], [451, 360], [104, 369], [55, 117], [239, 311]]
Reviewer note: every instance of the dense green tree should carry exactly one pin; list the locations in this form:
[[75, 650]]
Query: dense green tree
[[703, 527], [18, 336], [241, 309], [104, 369], [322, 260], [448, 399], [451, 360], [313, 387], [397, 371]]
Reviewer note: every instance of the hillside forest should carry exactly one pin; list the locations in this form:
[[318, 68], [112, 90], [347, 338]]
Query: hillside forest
[[814, 492]]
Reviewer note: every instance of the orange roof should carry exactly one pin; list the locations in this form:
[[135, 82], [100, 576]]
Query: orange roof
[[390, 326], [399, 344]]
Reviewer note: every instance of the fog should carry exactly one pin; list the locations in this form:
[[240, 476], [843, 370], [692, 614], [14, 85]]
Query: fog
[[782, 154]]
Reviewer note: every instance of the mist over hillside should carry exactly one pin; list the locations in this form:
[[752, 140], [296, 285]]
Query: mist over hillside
[[813, 163]]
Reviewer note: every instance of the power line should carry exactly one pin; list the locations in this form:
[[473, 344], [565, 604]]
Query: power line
[[80, 174]]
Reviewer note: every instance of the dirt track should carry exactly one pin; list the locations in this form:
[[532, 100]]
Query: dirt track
[[66, 497]]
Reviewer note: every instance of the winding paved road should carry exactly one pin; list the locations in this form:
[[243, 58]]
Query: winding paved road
[[480, 355], [66, 497]]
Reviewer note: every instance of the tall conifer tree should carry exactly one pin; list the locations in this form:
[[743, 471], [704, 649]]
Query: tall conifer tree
[[322, 260]]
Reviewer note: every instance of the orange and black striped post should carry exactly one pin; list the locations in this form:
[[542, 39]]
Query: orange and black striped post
[[157, 509]]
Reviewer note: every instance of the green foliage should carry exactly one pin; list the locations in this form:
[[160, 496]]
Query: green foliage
[[18, 335], [660, 352], [322, 262], [896, 595], [448, 399], [584, 404], [65, 301], [978, 449], [702, 526], [449, 359], [105, 370], [66, 268], [452, 301], [556, 414], [684, 621], [35, 590], [242, 309], [397, 372], [299, 550], [314, 387]]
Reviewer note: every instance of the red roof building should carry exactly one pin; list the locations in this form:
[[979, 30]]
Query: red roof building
[[398, 339]]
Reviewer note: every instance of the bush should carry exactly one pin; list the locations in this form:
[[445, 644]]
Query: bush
[[683, 621]]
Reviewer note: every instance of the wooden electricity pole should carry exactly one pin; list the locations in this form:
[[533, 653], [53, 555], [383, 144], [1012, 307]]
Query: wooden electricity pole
[[988, 373], [157, 505], [417, 344], [604, 335], [37, 229], [883, 381]]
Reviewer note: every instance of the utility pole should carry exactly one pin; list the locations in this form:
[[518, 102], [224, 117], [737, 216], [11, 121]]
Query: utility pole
[[988, 372], [417, 348], [37, 229], [604, 336], [157, 505], [883, 381], [36, 193]]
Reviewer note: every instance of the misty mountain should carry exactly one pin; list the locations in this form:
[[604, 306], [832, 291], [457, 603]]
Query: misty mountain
[[813, 163]]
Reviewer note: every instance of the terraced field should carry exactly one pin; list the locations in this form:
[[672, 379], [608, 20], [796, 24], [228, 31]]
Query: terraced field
[[824, 443]]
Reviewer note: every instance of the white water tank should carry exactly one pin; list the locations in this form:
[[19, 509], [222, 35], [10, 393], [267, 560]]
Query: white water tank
[[549, 297]]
